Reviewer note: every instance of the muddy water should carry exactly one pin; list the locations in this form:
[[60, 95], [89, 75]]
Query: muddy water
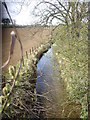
[[51, 89]]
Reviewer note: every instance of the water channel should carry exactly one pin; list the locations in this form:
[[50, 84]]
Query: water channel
[[49, 85]]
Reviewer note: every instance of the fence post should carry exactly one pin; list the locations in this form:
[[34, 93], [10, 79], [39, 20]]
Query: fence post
[[26, 54], [30, 51], [35, 49], [15, 68], [23, 61]]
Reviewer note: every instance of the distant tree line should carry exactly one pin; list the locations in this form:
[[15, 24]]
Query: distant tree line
[[5, 21]]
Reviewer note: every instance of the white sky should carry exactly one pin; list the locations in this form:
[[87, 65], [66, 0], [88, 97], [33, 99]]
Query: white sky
[[25, 16]]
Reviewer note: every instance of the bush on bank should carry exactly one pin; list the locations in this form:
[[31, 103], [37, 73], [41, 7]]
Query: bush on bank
[[71, 51]]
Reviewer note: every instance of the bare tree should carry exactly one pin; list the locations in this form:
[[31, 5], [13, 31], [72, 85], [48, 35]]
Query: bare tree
[[65, 12]]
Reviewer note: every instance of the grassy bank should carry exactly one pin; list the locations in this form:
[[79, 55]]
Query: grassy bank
[[71, 51]]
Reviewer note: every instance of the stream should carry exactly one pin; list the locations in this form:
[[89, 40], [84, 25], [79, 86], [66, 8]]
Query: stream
[[49, 85], [51, 91]]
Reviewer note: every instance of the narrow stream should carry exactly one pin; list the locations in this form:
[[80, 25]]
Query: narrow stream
[[52, 95], [49, 85]]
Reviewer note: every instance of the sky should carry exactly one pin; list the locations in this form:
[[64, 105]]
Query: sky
[[22, 14]]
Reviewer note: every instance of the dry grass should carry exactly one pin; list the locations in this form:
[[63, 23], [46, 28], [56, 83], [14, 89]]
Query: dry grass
[[30, 37]]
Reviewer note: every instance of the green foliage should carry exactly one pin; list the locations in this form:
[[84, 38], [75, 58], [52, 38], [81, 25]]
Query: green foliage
[[23, 95], [12, 72], [3, 97], [72, 54], [21, 82]]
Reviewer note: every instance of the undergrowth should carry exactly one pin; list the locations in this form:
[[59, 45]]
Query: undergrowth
[[71, 51]]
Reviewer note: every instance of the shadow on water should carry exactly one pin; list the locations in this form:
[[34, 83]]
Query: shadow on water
[[51, 90]]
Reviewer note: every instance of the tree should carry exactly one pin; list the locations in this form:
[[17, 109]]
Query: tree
[[6, 21], [73, 13]]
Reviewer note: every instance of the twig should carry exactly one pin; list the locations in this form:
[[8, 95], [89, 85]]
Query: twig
[[21, 60]]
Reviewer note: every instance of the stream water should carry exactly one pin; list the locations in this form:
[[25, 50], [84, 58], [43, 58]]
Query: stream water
[[49, 85], [51, 90]]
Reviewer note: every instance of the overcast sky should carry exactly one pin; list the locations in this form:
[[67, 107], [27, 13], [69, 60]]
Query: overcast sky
[[23, 15]]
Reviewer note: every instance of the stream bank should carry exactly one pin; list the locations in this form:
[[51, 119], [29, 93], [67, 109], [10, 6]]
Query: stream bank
[[23, 101], [39, 91]]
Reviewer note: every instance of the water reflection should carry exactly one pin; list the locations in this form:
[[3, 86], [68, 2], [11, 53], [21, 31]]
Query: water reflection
[[48, 84], [51, 91]]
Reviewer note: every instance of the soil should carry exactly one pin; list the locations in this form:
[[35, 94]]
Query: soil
[[30, 37]]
